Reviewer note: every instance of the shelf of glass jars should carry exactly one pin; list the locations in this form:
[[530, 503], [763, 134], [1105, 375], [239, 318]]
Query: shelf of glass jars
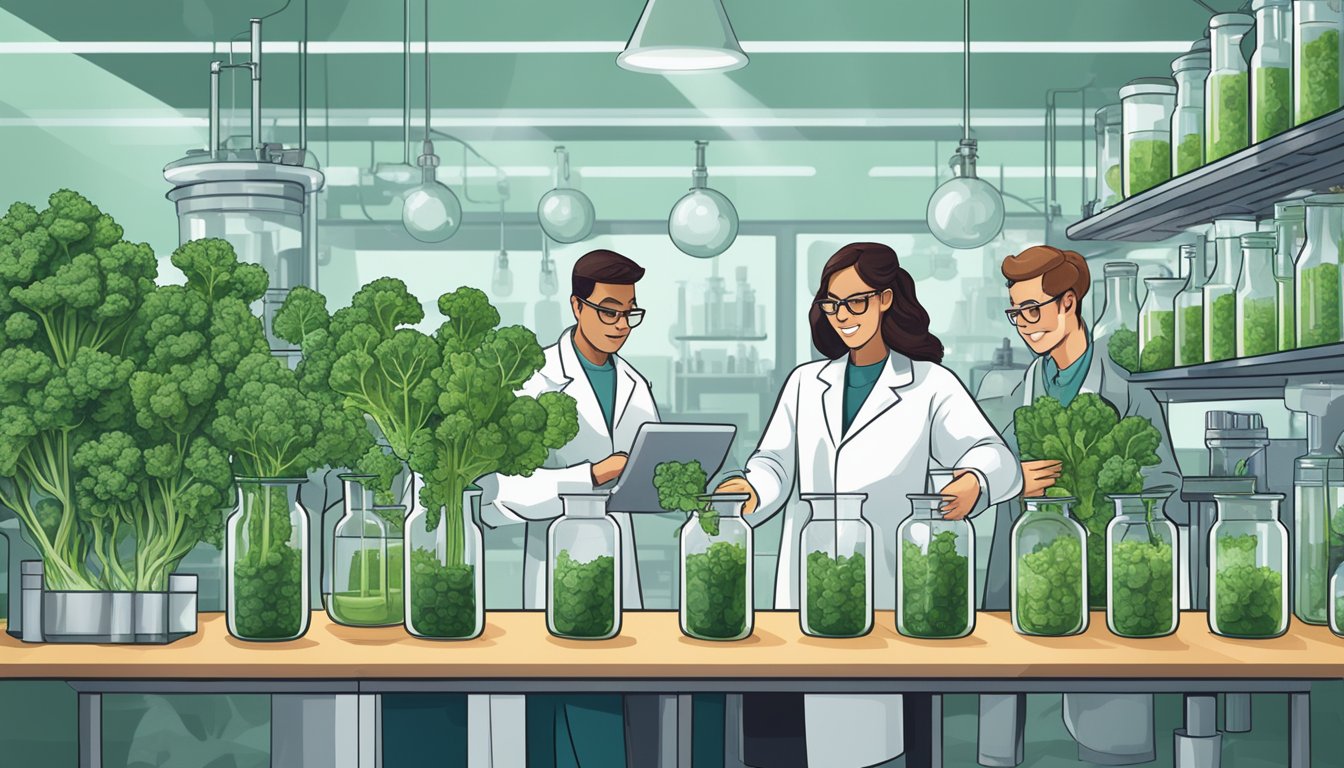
[[1262, 376], [1310, 156]]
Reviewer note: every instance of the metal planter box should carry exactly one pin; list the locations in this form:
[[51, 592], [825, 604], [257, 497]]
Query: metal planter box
[[107, 617]]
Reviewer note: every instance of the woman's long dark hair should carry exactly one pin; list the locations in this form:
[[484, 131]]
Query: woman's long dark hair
[[905, 326]]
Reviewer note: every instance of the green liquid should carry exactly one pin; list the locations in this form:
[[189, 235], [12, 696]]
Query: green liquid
[[584, 597], [1192, 335], [1259, 327], [837, 595], [1318, 88], [1149, 163], [934, 602], [1273, 101], [1227, 130], [365, 601], [443, 597], [1159, 350], [716, 592], [1318, 306], [1050, 588], [1189, 153], [1287, 303]]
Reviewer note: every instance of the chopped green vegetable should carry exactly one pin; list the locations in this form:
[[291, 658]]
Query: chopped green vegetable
[[1189, 153], [1258, 325], [1221, 328], [583, 597], [1141, 587], [1273, 102], [1249, 598], [837, 595], [443, 597], [1318, 317], [1318, 83], [716, 592], [1050, 588], [1123, 348], [1149, 162], [1227, 129], [1192, 335], [1159, 350], [934, 584]]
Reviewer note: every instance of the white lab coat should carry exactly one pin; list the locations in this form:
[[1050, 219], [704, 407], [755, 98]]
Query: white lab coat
[[918, 415]]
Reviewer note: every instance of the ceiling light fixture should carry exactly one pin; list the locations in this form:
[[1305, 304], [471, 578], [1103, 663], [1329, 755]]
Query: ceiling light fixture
[[704, 222], [566, 215], [682, 36], [431, 212], [966, 211], [402, 174]]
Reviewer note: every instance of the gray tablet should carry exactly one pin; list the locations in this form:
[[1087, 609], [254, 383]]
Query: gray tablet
[[656, 443]]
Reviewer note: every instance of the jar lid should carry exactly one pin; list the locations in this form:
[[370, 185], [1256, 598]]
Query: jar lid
[[1192, 60], [1248, 497], [1290, 209], [1258, 4], [1334, 198], [1148, 86], [1259, 240], [1109, 115], [1231, 20], [1159, 281], [1119, 268], [1201, 45]]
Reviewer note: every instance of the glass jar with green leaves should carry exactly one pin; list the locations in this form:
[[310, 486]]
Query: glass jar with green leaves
[[1141, 562], [1227, 93], [1257, 311], [583, 570], [1157, 323], [1220, 292], [1049, 569], [1271, 69], [444, 571], [1119, 316], [1290, 232], [1190, 307], [266, 555], [836, 572], [1106, 126], [1317, 40], [1146, 105], [716, 583], [1187, 120], [1318, 272], [935, 572], [1248, 563]]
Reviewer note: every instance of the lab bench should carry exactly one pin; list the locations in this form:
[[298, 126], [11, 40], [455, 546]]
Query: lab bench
[[326, 686]]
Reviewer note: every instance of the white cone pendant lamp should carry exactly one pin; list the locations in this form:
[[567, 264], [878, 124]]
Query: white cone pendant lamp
[[681, 36]]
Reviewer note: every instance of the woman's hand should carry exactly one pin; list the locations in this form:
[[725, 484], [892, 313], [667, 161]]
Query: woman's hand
[[740, 485], [961, 495], [1039, 475]]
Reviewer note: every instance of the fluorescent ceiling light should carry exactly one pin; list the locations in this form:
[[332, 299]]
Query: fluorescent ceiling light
[[679, 36], [985, 171], [684, 172]]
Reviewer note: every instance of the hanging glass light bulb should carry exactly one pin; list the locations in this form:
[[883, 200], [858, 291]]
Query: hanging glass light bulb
[[431, 212], [501, 282], [548, 284], [566, 214], [704, 222]]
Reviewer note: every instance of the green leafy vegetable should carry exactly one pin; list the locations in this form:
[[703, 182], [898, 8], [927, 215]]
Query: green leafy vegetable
[[1318, 306], [1158, 351], [680, 486], [443, 597], [837, 595], [1149, 162], [1050, 588], [1227, 125], [1123, 349], [1191, 349], [1258, 327], [1318, 83], [716, 592], [1221, 328], [1248, 598], [934, 601], [1189, 153], [583, 597], [1273, 102]]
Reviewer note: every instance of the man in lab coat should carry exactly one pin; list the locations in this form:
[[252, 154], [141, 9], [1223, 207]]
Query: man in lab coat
[[1046, 287], [613, 400]]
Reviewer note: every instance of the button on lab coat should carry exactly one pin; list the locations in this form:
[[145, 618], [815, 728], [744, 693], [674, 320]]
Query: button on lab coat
[[919, 415]]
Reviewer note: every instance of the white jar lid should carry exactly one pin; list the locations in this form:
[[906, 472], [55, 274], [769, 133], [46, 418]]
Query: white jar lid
[[1149, 86]]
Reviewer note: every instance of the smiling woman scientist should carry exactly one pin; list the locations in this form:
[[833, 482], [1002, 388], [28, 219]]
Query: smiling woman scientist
[[872, 419]]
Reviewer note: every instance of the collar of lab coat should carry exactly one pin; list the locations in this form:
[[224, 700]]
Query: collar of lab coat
[[898, 373], [568, 369]]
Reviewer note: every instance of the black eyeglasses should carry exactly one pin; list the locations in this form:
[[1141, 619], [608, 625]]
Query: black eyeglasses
[[854, 305], [1029, 312], [610, 316]]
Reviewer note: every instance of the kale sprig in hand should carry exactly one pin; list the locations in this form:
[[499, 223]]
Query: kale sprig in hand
[[680, 486]]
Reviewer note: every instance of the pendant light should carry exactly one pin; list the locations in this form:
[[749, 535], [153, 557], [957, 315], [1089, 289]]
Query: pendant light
[[680, 36], [431, 212], [501, 282], [966, 211], [402, 174], [566, 214], [704, 222]]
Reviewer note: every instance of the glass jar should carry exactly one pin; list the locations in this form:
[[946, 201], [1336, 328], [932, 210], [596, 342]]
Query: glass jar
[[716, 584], [1220, 292], [1227, 94], [366, 560], [1141, 562], [1049, 570], [1190, 308], [1248, 591], [836, 577], [583, 570], [266, 555], [1107, 127], [1120, 313], [1157, 323], [1337, 601], [1146, 106], [446, 595], [1257, 313], [1187, 120], [1271, 69], [1290, 230], [1316, 48], [1318, 279], [935, 572], [1318, 507]]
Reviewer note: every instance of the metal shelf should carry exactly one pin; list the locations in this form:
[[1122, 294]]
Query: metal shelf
[[720, 338], [1309, 156], [1263, 376]]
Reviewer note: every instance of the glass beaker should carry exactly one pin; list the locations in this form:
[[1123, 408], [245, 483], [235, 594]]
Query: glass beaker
[[1337, 601], [716, 584], [1316, 48], [1318, 499], [365, 543], [1190, 308], [836, 572], [1141, 575], [1049, 569], [445, 597], [1220, 292], [1318, 279], [1146, 105], [583, 570], [1108, 140], [935, 572], [1120, 312], [1290, 230], [1187, 120], [1248, 594], [1257, 313], [1157, 323], [1271, 69], [266, 557], [1227, 94]]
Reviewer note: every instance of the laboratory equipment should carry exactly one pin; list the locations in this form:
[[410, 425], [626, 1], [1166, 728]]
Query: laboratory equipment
[[430, 212], [703, 223], [1290, 229], [366, 565], [583, 570], [1238, 445], [444, 572], [1121, 310], [1257, 312], [715, 307], [1318, 279], [1157, 323], [1317, 41], [566, 214], [1190, 308], [716, 573], [1107, 123], [1227, 90], [1271, 69], [266, 554], [746, 304], [501, 279], [935, 572], [1141, 576], [1318, 498], [675, 36], [1248, 595], [1220, 292], [1146, 105], [1049, 569], [547, 314], [1187, 120], [836, 573]]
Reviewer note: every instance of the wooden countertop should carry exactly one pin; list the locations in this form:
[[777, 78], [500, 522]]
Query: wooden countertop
[[516, 645]]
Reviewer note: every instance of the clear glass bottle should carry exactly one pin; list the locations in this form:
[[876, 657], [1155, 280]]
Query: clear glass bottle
[[1318, 277], [1157, 323], [1107, 128], [935, 572], [1187, 120], [1120, 313], [1290, 230], [1141, 568], [583, 570], [836, 571], [1248, 562], [1317, 42], [1227, 93], [1257, 311], [1146, 105], [1190, 308], [266, 556], [1318, 499], [1337, 601], [716, 580], [1220, 292], [366, 560], [1049, 570], [445, 571], [1271, 69]]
